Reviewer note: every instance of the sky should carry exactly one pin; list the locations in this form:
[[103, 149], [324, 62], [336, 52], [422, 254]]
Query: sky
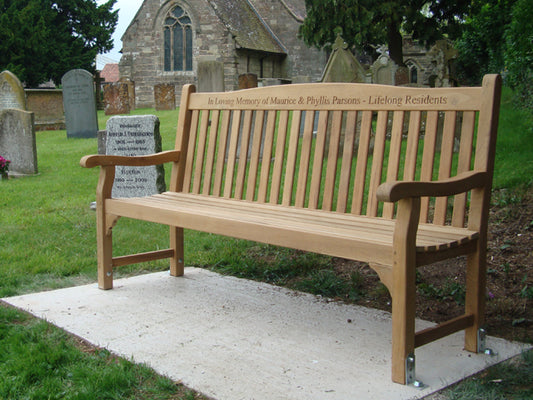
[[127, 10]]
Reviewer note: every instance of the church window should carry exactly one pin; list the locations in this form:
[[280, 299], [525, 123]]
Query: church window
[[413, 71], [177, 36]]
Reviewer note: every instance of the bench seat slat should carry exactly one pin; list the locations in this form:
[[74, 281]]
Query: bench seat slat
[[361, 230]]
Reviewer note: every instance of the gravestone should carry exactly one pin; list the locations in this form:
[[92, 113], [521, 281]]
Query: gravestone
[[116, 98], [47, 105], [79, 104], [11, 92], [384, 70], [165, 96], [342, 65], [131, 91], [210, 76], [17, 141], [247, 81], [135, 136]]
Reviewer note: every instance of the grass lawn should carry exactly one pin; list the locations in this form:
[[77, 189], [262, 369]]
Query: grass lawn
[[48, 241]]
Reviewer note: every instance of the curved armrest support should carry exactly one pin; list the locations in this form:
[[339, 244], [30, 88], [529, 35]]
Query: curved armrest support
[[135, 161], [396, 190]]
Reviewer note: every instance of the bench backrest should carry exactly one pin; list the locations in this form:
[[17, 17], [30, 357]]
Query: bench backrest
[[330, 145]]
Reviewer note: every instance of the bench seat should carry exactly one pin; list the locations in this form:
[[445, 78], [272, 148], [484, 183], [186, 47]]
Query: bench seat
[[358, 237]]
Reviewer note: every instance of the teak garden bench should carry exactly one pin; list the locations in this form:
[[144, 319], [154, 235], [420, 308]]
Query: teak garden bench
[[396, 177]]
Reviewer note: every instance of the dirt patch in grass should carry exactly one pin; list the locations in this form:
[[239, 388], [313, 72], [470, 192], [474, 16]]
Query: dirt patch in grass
[[440, 287]]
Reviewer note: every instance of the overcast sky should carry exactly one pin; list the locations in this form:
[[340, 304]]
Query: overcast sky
[[127, 10]]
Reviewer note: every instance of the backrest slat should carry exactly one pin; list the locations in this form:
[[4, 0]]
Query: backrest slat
[[393, 166], [377, 163], [305, 156], [264, 178], [211, 152], [221, 153], [243, 154], [232, 153], [191, 150], [428, 158], [464, 164], [445, 164], [362, 163], [292, 155], [413, 139], [316, 174], [255, 154], [347, 157], [333, 155], [200, 152], [279, 157]]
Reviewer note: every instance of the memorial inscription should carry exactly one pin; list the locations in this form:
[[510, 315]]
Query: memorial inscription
[[11, 92], [79, 104], [135, 136]]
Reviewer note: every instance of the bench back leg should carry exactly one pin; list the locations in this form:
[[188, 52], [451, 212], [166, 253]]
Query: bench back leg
[[176, 243]]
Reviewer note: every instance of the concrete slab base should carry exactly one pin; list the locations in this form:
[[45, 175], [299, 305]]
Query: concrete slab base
[[236, 339]]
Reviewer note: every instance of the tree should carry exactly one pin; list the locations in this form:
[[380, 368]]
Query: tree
[[42, 39], [518, 52], [368, 23], [482, 43]]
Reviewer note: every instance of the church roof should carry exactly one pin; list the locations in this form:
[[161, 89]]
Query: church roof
[[249, 29]]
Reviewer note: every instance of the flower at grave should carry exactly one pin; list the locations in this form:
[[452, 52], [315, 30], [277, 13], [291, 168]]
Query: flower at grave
[[4, 165]]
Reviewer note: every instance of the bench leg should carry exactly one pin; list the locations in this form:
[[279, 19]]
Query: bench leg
[[404, 290], [177, 263], [475, 297], [104, 241]]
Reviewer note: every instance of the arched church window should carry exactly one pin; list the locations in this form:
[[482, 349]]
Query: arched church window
[[413, 71], [177, 40]]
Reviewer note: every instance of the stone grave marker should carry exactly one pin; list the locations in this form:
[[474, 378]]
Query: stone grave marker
[[79, 104], [342, 65], [135, 136], [210, 76], [116, 98], [384, 70], [247, 81], [11, 92], [165, 96], [17, 141], [131, 91]]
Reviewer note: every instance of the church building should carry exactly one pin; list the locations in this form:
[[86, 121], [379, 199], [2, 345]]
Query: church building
[[167, 39]]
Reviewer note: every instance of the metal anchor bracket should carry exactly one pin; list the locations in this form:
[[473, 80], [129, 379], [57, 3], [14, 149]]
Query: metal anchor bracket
[[410, 372], [482, 343]]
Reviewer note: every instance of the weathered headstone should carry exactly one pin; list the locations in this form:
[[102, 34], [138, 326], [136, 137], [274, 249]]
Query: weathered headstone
[[79, 104], [131, 91], [210, 76], [342, 65], [247, 81], [135, 136], [17, 141], [11, 92], [165, 96], [384, 70], [47, 105], [116, 98]]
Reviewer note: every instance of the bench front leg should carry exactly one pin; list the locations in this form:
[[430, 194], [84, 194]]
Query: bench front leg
[[104, 226], [404, 289], [177, 263]]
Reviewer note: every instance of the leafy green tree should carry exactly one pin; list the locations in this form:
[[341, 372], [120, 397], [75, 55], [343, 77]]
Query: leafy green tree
[[42, 39], [367, 23], [481, 45], [518, 52]]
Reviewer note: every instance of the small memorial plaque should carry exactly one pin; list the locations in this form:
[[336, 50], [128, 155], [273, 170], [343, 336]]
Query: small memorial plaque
[[135, 136]]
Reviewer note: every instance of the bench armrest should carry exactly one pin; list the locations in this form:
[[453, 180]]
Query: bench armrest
[[396, 190], [134, 161]]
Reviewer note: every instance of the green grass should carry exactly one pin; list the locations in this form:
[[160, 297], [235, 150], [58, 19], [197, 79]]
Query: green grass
[[48, 241], [40, 361]]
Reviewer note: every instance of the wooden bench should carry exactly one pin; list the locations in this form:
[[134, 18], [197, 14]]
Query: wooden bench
[[396, 177]]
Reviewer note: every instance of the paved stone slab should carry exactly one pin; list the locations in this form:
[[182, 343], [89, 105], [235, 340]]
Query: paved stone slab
[[236, 339]]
